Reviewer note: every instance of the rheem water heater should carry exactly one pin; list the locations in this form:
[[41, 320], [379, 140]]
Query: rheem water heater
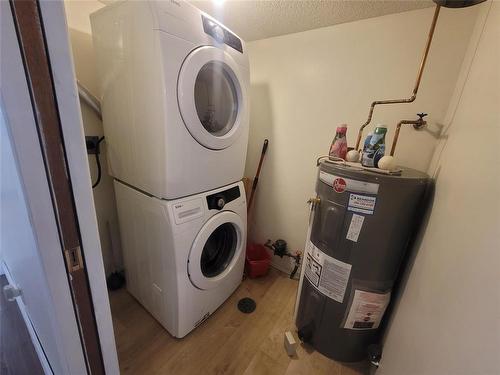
[[360, 227]]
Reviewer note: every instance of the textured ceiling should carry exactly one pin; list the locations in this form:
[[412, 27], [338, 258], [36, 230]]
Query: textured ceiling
[[260, 19]]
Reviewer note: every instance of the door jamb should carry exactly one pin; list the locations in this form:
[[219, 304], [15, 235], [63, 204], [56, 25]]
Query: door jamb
[[66, 92], [51, 77]]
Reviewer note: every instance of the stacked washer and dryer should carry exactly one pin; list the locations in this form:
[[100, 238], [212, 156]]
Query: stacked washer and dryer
[[176, 118]]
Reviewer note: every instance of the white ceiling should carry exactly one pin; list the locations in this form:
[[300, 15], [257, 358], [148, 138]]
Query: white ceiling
[[260, 19]]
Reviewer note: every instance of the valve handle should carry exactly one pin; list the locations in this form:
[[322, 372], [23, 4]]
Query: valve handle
[[313, 201], [421, 115]]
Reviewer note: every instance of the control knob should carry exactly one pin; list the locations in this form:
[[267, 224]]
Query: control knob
[[220, 202]]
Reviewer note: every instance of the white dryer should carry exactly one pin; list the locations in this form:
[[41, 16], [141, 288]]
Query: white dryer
[[185, 257], [174, 87]]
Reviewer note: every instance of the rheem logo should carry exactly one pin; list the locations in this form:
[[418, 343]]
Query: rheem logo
[[339, 185]]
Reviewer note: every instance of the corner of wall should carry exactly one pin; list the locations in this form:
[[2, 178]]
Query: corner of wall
[[454, 102]]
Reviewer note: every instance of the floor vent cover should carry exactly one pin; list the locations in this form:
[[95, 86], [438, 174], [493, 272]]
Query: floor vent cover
[[246, 305]]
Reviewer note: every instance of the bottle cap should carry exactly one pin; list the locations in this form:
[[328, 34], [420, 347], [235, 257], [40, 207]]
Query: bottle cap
[[342, 128]]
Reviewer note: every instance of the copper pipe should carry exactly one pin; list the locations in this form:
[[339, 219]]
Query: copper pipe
[[417, 81], [417, 124]]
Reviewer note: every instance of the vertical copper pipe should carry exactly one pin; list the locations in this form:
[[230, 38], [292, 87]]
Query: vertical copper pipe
[[417, 81], [395, 140], [418, 124], [426, 51]]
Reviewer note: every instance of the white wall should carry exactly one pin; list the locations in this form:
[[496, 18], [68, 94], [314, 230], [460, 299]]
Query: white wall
[[448, 319], [77, 13], [303, 85]]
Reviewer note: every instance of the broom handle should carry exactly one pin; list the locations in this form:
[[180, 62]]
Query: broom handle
[[256, 179]]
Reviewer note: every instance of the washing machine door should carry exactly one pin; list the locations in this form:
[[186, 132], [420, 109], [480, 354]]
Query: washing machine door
[[216, 250], [212, 97]]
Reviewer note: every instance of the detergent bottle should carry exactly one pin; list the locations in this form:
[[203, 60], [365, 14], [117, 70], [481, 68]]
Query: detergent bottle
[[338, 149], [374, 148]]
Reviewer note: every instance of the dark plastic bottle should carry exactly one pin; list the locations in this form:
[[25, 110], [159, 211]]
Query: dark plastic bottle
[[374, 148]]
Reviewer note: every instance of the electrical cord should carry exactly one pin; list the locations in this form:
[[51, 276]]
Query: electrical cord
[[98, 162]]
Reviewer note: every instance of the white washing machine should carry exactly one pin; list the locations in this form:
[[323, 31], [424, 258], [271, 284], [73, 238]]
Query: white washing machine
[[185, 257], [174, 88]]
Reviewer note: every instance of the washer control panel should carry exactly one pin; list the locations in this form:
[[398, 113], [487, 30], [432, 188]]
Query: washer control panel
[[220, 34], [218, 200], [188, 210]]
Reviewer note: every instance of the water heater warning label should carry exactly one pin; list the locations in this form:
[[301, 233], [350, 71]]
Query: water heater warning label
[[367, 310], [362, 203], [355, 227], [328, 275]]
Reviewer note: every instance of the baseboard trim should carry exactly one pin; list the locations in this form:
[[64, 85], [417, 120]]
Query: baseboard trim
[[286, 271]]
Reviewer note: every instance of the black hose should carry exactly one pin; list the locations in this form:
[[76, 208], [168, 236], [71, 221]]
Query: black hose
[[297, 264], [292, 275], [98, 162]]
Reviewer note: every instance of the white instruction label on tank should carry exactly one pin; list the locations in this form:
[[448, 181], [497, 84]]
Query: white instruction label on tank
[[328, 275], [355, 227], [362, 203], [367, 310]]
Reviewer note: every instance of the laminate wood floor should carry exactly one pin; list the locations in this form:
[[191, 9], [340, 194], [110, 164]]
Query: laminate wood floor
[[230, 342], [17, 353]]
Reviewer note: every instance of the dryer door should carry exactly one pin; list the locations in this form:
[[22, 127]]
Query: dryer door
[[216, 250], [212, 97]]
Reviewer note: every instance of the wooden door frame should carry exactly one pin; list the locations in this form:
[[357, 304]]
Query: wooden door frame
[[44, 45]]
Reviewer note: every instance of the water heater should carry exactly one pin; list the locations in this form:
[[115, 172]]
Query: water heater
[[361, 223]]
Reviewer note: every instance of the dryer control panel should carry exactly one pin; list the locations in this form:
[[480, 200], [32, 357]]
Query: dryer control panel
[[220, 34]]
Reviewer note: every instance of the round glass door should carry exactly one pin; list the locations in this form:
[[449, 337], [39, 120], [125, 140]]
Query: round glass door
[[212, 97], [216, 250], [216, 99]]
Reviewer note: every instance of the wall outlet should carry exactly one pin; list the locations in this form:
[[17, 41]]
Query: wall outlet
[[92, 143]]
